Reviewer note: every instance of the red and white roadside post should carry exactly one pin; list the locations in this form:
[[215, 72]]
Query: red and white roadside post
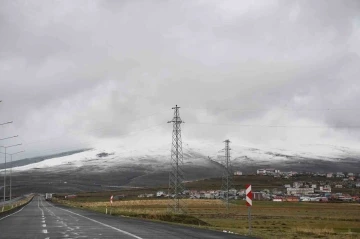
[[249, 203], [111, 203]]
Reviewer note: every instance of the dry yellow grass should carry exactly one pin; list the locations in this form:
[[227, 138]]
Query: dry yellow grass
[[270, 219], [158, 203], [316, 231]]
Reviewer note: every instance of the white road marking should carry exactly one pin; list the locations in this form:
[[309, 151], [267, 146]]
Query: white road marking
[[42, 215], [42, 211], [103, 224]]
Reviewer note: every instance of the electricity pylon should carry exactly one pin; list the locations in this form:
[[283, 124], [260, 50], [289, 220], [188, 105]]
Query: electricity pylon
[[176, 175], [227, 174]]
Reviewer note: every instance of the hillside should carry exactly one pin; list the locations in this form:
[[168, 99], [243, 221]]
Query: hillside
[[105, 169]]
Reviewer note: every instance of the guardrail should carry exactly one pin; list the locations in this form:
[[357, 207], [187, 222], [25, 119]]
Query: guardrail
[[12, 210]]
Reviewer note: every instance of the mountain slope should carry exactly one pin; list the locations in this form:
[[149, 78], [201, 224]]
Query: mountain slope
[[102, 169]]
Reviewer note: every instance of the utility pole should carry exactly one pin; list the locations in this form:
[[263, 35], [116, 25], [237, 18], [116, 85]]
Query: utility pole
[[5, 147], [176, 175], [6, 123], [11, 166], [227, 174]]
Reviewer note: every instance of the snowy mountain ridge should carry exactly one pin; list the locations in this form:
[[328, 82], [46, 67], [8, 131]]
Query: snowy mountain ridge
[[194, 153]]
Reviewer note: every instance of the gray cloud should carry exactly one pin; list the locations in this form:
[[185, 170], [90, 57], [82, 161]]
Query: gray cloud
[[74, 74]]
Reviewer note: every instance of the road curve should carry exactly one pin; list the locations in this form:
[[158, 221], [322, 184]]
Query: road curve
[[41, 219]]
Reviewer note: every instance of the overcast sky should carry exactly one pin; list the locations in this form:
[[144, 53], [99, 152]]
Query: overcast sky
[[87, 73]]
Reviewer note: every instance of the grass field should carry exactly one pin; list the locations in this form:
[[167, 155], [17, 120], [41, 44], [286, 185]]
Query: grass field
[[269, 219]]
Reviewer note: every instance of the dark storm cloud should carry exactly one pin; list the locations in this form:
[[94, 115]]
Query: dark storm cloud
[[79, 72]]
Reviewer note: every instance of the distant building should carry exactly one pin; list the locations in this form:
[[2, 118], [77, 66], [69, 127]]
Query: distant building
[[238, 173], [291, 173], [269, 171], [338, 186], [258, 196], [325, 189], [298, 184], [299, 191], [292, 199], [329, 175], [160, 193], [209, 195], [261, 171], [304, 199], [277, 199]]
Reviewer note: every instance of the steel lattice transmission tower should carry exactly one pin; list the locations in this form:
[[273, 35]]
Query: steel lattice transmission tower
[[176, 175], [227, 174]]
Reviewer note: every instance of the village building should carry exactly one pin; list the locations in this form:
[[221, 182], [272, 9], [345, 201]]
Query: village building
[[299, 191], [329, 175]]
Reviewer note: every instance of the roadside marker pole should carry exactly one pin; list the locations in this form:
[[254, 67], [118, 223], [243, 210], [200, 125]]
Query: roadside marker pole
[[111, 203], [249, 204]]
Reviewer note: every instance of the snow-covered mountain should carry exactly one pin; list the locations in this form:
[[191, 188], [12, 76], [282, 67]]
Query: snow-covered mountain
[[106, 168], [195, 153]]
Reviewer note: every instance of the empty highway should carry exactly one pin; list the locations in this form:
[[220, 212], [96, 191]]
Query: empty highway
[[41, 219]]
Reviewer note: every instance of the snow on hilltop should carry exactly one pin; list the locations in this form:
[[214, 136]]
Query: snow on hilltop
[[195, 152]]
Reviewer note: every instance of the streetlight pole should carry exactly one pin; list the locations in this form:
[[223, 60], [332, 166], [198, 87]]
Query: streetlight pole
[[6, 123], [5, 147], [10, 137], [11, 169]]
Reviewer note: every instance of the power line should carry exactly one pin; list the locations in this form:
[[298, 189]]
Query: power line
[[277, 126], [267, 109]]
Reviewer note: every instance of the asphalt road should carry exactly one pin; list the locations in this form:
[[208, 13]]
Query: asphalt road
[[41, 219]]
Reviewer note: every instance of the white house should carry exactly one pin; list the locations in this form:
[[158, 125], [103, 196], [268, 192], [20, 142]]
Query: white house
[[325, 189], [160, 193], [297, 191], [267, 171]]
